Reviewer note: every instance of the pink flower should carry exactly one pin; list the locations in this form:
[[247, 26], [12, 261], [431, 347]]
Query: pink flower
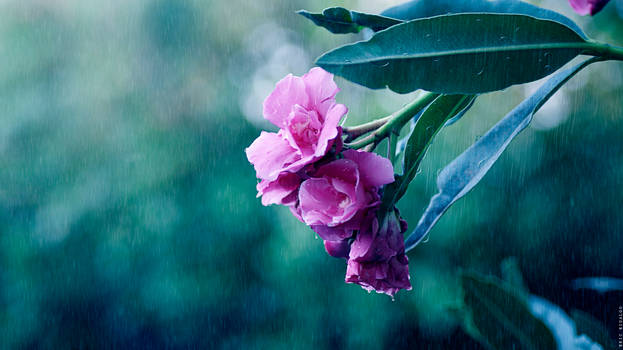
[[377, 259], [283, 190], [305, 110], [337, 249], [585, 7], [341, 189]]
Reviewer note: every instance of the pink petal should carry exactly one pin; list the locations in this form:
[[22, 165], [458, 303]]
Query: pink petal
[[328, 233], [580, 6], [337, 249], [299, 130], [316, 198], [321, 89], [296, 211], [270, 154], [322, 204], [300, 163], [374, 170], [288, 92], [362, 245], [343, 172], [329, 129], [586, 7], [274, 192]]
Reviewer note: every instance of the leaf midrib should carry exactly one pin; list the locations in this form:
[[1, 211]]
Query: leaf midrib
[[477, 50], [326, 19]]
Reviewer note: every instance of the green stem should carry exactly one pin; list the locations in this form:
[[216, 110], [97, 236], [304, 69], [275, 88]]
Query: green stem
[[354, 132], [391, 148], [396, 121], [605, 51]]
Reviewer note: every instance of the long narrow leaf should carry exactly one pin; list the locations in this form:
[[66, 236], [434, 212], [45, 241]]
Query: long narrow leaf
[[463, 173], [460, 115], [429, 8], [339, 20], [502, 316], [444, 108]]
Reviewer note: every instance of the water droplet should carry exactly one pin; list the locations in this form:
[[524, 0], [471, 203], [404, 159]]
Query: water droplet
[[481, 71], [381, 63]]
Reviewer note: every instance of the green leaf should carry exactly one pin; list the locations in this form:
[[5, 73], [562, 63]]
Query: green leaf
[[457, 54], [430, 8], [587, 324], [426, 127], [502, 316], [464, 172], [402, 143], [460, 115], [339, 20]]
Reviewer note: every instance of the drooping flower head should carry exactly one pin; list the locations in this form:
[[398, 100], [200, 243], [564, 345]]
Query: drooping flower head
[[338, 194], [588, 7], [377, 259]]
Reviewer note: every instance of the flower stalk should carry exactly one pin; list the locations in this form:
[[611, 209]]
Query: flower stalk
[[354, 132], [605, 51], [395, 122]]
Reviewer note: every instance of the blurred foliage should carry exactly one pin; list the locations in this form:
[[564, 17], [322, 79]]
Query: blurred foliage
[[128, 214]]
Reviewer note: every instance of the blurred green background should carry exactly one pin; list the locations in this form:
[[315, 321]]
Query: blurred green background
[[128, 215]]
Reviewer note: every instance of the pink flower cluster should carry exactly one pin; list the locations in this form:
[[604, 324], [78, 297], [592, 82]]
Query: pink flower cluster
[[588, 7], [335, 192]]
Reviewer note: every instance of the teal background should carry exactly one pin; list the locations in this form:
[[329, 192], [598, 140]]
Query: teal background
[[128, 215]]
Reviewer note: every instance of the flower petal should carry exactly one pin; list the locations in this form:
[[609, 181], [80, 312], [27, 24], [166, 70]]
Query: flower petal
[[329, 128], [374, 170], [586, 7], [337, 249], [274, 192], [270, 154], [321, 89], [288, 92], [316, 199]]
